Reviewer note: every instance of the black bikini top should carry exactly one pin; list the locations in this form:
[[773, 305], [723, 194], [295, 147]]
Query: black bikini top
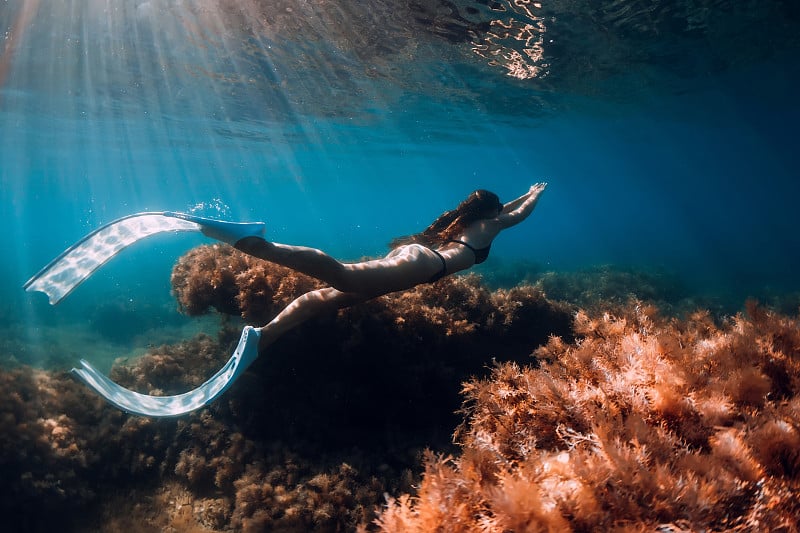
[[480, 253]]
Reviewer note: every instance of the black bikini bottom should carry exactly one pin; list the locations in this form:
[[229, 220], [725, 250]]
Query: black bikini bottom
[[443, 272]]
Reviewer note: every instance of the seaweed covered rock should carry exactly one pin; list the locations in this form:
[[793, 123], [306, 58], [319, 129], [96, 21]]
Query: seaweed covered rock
[[61, 447], [401, 357], [254, 484], [642, 422], [310, 438], [220, 277], [71, 462], [173, 369], [234, 283], [607, 287], [289, 497]]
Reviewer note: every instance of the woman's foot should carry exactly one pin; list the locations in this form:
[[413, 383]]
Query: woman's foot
[[256, 246], [264, 339], [222, 230], [248, 348]]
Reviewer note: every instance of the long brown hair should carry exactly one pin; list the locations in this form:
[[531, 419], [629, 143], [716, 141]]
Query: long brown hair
[[481, 204]]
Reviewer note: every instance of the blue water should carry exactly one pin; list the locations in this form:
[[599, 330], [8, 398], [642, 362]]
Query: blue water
[[667, 132]]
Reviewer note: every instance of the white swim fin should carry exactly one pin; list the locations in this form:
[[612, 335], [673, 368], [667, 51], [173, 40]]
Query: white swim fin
[[162, 406], [79, 261]]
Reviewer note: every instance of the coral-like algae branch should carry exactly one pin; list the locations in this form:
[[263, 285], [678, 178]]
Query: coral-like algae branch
[[641, 422]]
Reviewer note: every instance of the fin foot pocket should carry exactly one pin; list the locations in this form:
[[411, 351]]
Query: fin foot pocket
[[222, 230]]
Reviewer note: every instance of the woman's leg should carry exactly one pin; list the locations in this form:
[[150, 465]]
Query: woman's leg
[[310, 261], [403, 268], [306, 306]]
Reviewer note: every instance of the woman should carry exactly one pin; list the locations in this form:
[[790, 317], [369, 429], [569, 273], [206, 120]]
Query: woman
[[455, 241]]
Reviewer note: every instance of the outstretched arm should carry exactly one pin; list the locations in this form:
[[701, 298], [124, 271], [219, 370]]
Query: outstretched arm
[[513, 204], [518, 210]]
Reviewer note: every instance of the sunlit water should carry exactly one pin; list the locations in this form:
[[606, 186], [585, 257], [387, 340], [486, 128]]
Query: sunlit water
[[667, 132]]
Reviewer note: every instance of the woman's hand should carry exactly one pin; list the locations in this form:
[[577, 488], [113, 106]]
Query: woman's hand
[[518, 210], [537, 189]]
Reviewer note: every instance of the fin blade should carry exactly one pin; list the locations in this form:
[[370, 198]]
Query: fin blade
[[79, 261], [166, 406]]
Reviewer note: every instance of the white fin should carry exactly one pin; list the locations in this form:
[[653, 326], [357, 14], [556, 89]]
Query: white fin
[[161, 406], [80, 260]]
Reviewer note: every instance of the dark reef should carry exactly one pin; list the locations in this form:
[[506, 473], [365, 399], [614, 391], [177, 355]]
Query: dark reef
[[573, 418]]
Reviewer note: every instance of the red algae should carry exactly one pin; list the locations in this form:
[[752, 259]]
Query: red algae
[[642, 422]]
